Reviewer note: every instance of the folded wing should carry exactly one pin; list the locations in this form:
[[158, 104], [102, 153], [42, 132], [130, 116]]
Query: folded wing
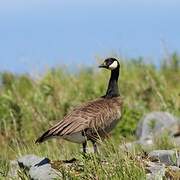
[[94, 115]]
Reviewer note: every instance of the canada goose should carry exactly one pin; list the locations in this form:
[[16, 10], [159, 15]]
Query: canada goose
[[94, 119]]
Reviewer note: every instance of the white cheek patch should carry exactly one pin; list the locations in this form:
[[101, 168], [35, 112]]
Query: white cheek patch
[[114, 65]]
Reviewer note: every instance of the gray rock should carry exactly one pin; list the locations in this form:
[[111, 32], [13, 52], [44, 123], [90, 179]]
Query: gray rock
[[156, 171], [28, 161], [44, 172], [38, 168], [167, 157], [155, 123]]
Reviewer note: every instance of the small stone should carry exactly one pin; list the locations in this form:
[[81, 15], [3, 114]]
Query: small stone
[[155, 171], [167, 157], [28, 161], [38, 168], [44, 172]]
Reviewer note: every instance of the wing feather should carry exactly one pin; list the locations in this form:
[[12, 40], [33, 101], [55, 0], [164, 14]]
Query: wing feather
[[96, 114]]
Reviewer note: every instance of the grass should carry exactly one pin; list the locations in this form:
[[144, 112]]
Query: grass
[[29, 106]]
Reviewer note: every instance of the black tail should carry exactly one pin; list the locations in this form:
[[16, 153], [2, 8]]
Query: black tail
[[44, 137]]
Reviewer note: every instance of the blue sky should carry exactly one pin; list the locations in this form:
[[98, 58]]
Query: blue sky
[[37, 34]]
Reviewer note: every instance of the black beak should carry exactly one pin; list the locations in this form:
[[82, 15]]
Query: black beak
[[103, 65]]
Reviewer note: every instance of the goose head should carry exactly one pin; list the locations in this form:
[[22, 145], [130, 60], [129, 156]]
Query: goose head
[[110, 63]]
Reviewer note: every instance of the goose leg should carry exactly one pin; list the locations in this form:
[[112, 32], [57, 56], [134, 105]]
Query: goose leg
[[84, 146], [95, 147]]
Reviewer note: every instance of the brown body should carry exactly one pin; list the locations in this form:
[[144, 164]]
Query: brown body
[[90, 121]]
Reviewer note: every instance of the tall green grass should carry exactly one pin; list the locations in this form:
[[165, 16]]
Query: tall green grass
[[29, 106]]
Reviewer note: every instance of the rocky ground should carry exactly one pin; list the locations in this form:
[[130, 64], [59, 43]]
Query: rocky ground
[[158, 163]]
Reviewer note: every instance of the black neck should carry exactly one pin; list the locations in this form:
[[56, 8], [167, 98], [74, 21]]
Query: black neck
[[113, 90]]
